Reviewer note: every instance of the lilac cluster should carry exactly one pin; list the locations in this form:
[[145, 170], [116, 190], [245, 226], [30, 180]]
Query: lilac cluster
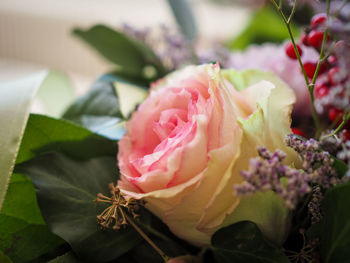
[[218, 53], [317, 163], [170, 46], [268, 173], [141, 35], [174, 50]]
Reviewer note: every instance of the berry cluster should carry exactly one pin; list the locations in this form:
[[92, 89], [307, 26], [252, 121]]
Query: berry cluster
[[332, 84], [312, 37]]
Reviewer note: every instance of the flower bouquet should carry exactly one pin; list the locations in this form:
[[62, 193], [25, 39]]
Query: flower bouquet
[[186, 155]]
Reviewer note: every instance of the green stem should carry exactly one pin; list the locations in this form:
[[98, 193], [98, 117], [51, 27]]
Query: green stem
[[319, 64], [339, 128], [309, 86]]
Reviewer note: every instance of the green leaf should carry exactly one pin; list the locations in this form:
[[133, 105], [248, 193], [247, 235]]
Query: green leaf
[[184, 17], [66, 189], [99, 111], [4, 258], [334, 229], [265, 26], [104, 108], [66, 258], [132, 57], [244, 242], [23, 242], [21, 201], [340, 167], [121, 76], [44, 134], [23, 233]]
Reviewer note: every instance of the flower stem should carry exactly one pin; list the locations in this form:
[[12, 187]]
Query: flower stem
[[345, 120], [145, 237], [309, 85], [320, 61]]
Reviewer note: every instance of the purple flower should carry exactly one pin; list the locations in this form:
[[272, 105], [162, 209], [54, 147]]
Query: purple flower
[[268, 173]]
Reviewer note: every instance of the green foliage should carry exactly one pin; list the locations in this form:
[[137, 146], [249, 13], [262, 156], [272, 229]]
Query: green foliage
[[23, 233], [4, 258], [75, 164], [131, 57], [340, 167], [71, 212], [44, 134], [66, 258], [334, 229], [99, 111], [265, 26], [243, 242], [105, 107]]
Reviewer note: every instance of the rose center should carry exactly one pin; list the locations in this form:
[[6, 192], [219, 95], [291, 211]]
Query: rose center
[[171, 121]]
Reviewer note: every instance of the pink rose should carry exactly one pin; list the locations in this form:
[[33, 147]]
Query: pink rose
[[186, 144]]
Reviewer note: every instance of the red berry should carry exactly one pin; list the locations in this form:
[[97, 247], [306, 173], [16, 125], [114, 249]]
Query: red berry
[[289, 48], [304, 40], [310, 69], [318, 20], [321, 89], [335, 114], [298, 131], [323, 68], [333, 76], [315, 38]]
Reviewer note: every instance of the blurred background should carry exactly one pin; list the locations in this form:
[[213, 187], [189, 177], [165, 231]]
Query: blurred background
[[36, 34]]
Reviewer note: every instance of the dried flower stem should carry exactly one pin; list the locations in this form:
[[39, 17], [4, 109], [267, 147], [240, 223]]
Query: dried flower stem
[[306, 254], [117, 213], [145, 237]]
